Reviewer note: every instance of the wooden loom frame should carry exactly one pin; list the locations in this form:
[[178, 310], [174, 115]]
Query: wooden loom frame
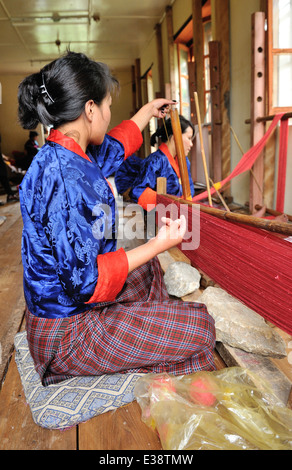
[[271, 225]]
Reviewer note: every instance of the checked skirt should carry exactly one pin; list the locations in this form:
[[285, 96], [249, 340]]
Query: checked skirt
[[143, 330]]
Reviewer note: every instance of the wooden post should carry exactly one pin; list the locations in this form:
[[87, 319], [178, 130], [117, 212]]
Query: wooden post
[[220, 30], [160, 58], [169, 24], [141, 151], [214, 50], [177, 134], [161, 185], [134, 99], [257, 105], [198, 41], [138, 83], [192, 89], [202, 149]]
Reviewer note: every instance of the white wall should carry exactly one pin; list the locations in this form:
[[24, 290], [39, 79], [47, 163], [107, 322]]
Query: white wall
[[122, 104], [14, 137], [240, 87], [288, 192]]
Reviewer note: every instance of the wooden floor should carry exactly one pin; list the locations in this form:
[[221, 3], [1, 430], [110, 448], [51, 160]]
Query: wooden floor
[[118, 430]]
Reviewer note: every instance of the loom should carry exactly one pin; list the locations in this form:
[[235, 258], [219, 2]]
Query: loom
[[252, 263]]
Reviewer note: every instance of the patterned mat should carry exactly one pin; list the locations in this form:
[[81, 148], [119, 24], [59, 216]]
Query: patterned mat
[[73, 401]]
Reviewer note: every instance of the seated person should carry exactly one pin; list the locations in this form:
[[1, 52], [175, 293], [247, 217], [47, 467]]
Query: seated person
[[163, 163], [31, 149], [126, 174], [12, 196]]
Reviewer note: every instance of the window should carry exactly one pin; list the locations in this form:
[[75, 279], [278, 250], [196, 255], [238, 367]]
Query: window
[[207, 39], [184, 41], [280, 55], [184, 91], [150, 97]]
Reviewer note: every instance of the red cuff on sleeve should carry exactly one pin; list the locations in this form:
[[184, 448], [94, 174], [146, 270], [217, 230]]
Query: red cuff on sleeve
[[129, 134], [113, 270], [148, 197]]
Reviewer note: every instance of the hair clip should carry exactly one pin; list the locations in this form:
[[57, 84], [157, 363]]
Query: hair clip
[[44, 90]]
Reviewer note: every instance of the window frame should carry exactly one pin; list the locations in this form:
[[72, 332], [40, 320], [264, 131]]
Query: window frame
[[182, 104], [272, 52]]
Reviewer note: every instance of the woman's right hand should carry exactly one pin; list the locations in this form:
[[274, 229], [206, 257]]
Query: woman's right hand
[[170, 234], [157, 108]]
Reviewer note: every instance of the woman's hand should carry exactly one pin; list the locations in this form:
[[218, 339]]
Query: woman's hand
[[157, 108], [161, 107], [169, 235]]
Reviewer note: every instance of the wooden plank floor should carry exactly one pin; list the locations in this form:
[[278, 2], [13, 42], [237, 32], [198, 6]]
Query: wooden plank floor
[[118, 430], [122, 429]]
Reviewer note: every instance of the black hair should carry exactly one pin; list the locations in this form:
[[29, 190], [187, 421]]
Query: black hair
[[165, 131], [33, 134], [58, 93]]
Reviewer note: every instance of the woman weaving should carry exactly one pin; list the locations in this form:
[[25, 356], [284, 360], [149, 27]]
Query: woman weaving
[[142, 177], [91, 309]]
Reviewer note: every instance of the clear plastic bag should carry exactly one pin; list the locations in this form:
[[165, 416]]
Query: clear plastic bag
[[229, 409]]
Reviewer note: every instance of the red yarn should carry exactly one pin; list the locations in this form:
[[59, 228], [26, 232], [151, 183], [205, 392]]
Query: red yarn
[[248, 159], [251, 264]]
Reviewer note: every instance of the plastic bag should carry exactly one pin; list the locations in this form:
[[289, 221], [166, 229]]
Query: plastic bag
[[229, 409]]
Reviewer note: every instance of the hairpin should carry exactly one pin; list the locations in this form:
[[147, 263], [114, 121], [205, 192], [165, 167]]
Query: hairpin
[[44, 90]]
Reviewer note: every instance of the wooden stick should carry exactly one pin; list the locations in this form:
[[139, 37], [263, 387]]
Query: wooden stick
[[177, 134], [269, 118], [161, 185], [242, 151], [202, 148], [219, 195], [265, 224], [273, 212]]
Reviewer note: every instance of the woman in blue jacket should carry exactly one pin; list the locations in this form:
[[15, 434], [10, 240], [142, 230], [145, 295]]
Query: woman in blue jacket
[[93, 309], [162, 163]]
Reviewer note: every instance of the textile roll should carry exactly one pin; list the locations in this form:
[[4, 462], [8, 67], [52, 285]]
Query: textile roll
[[253, 265]]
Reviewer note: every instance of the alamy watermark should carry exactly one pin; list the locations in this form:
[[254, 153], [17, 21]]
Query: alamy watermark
[[137, 224]]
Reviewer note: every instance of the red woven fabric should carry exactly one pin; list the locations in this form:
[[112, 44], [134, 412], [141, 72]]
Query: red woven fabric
[[253, 265]]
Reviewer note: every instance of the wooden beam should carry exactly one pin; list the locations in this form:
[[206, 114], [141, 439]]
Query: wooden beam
[[198, 42], [161, 185], [203, 150], [160, 57], [177, 134], [134, 99], [138, 83], [141, 151], [214, 52], [221, 33], [169, 25], [264, 224], [257, 105], [192, 89]]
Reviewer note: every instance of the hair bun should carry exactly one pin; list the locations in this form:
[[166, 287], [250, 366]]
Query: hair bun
[[28, 92]]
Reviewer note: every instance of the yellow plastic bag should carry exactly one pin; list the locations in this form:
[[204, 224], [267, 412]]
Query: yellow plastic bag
[[229, 409]]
